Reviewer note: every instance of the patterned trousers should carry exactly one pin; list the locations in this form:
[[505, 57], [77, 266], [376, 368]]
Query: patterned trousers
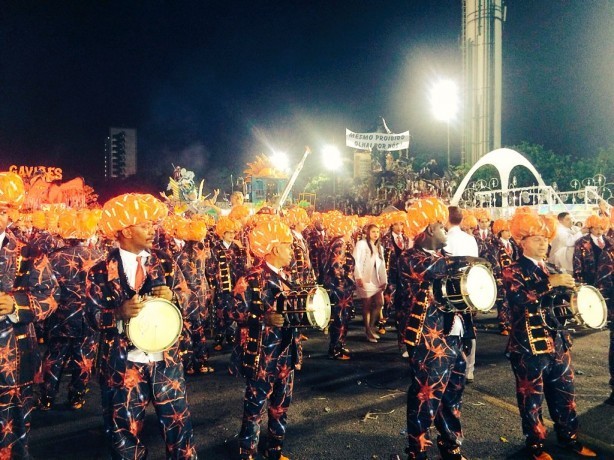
[[124, 411], [16, 406], [549, 375], [193, 343], [278, 394], [340, 318], [611, 357], [435, 393], [79, 352]]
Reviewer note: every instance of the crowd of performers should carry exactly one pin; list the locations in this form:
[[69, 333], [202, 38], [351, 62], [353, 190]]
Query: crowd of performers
[[76, 278]]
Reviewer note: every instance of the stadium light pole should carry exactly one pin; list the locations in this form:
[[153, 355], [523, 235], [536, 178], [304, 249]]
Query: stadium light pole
[[444, 102], [331, 157]]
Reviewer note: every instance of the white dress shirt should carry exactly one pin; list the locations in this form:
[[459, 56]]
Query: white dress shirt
[[562, 247], [129, 263]]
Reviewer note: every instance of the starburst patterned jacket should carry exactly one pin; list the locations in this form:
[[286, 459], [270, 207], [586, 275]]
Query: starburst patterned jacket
[[27, 276], [107, 288]]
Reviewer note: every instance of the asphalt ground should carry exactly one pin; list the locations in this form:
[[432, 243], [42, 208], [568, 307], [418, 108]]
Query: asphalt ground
[[353, 409]]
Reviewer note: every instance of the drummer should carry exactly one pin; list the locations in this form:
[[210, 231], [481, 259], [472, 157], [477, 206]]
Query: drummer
[[129, 377], [540, 355], [437, 359], [270, 352], [605, 283]]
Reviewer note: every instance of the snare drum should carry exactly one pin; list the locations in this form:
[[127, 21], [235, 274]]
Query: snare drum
[[473, 287], [589, 307], [308, 307], [157, 326]]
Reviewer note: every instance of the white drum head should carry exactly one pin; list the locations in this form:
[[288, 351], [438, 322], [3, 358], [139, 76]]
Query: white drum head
[[481, 287], [318, 308], [591, 307], [157, 326]]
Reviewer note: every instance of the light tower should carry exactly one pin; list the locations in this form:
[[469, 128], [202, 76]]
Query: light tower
[[482, 69]]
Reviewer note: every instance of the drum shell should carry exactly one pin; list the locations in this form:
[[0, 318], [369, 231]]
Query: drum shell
[[580, 311], [454, 291], [308, 307]]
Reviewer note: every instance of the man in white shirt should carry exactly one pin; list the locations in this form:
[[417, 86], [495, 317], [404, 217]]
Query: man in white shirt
[[461, 244], [130, 378], [562, 246]]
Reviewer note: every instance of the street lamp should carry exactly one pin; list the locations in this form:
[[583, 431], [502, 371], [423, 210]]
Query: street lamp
[[331, 156], [444, 101], [280, 161]]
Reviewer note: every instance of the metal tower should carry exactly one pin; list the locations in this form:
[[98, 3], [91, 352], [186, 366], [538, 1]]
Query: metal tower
[[482, 64]]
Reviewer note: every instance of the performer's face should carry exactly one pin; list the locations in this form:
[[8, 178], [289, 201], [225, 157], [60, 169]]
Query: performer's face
[[229, 236], [440, 237], [137, 238], [4, 218], [397, 227], [566, 221], [373, 234], [484, 224], [597, 231], [535, 247], [505, 234], [283, 252]]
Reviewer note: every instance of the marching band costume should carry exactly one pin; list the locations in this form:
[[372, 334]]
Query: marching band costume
[[507, 251], [270, 352], [71, 338], [588, 249], [27, 288], [317, 242], [130, 378], [538, 349], [605, 283], [225, 266], [338, 277], [436, 359]]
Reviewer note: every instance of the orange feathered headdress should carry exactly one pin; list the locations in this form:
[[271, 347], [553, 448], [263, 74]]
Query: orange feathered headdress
[[191, 229], [500, 225], [80, 224], [296, 216], [341, 225], [597, 221], [267, 234], [526, 222], [239, 212], [12, 192], [130, 209], [481, 214], [225, 224], [425, 212], [469, 222]]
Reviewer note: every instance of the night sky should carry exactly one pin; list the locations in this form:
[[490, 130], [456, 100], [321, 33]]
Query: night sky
[[211, 84]]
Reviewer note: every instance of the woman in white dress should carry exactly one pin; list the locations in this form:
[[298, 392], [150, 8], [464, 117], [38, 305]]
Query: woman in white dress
[[371, 278]]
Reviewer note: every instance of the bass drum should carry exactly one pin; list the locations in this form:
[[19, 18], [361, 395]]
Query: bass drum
[[473, 287], [157, 326], [589, 307], [307, 307]]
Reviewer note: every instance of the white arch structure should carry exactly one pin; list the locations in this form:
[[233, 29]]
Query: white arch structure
[[504, 160]]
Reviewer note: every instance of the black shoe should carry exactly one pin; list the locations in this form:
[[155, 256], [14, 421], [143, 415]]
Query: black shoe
[[449, 451], [610, 400], [416, 455], [45, 403], [578, 448], [76, 400]]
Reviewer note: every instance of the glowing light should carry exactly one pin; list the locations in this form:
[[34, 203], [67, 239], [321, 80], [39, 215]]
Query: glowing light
[[444, 100], [280, 161], [331, 157]]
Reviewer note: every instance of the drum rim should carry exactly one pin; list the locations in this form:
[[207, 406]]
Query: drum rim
[[151, 301], [310, 314], [573, 302], [464, 291]]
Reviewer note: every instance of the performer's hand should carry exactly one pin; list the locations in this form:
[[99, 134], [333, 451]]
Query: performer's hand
[[562, 279], [130, 308], [359, 283], [466, 345], [7, 304], [164, 292], [273, 319]]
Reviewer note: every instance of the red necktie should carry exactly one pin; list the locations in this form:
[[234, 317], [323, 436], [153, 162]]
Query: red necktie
[[139, 279], [508, 248], [542, 265], [600, 243], [400, 242]]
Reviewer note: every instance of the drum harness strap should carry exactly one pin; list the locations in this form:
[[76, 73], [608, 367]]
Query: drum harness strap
[[255, 328], [540, 340]]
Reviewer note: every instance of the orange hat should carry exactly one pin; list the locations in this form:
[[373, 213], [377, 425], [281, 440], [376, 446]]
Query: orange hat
[[225, 224], [12, 192], [396, 217], [39, 219], [499, 225], [597, 221], [469, 221], [130, 209], [239, 212], [266, 235], [425, 212], [80, 224], [481, 214], [526, 222], [190, 229], [296, 216], [341, 225]]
